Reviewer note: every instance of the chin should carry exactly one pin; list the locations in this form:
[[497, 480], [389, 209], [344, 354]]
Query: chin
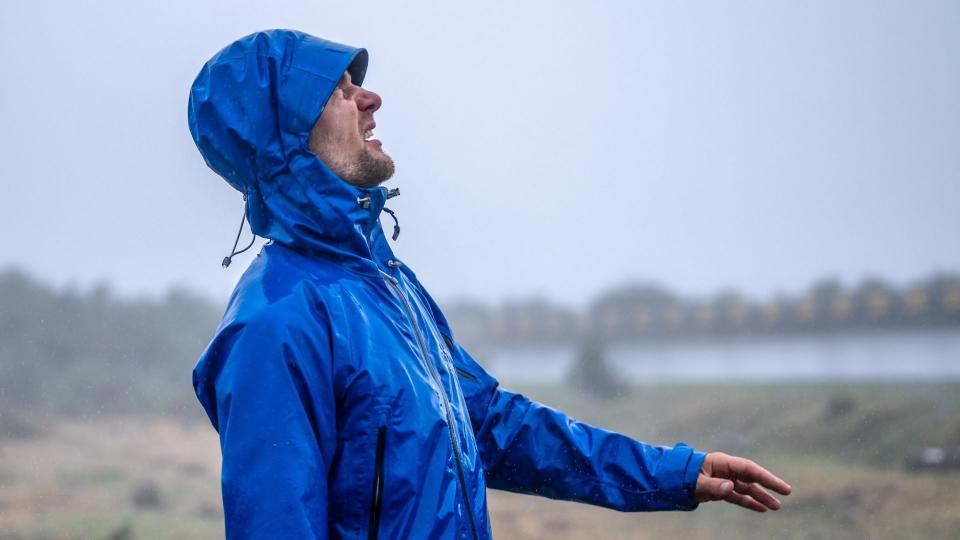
[[371, 169]]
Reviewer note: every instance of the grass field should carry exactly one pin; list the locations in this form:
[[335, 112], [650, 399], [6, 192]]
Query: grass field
[[841, 446]]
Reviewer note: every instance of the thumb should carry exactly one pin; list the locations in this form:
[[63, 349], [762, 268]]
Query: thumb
[[712, 489]]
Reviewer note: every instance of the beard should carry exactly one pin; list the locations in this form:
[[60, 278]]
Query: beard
[[370, 169]]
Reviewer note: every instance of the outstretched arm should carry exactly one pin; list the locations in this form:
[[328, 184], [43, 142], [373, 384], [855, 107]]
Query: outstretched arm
[[528, 447]]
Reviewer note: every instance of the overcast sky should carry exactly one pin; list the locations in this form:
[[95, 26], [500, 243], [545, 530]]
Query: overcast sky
[[552, 148]]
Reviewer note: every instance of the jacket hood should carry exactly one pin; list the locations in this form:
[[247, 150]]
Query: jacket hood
[[250, 112]]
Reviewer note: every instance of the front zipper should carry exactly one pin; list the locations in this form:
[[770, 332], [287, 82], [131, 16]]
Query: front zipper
[[443, 396], [376, 499]]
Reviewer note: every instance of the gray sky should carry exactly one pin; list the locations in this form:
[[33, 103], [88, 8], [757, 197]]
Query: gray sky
[[551, 148]]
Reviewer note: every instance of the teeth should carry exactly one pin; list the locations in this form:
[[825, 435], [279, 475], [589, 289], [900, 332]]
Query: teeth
[[368, 134]]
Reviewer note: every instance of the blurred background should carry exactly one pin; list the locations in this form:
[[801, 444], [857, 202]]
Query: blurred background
[[733, 224]]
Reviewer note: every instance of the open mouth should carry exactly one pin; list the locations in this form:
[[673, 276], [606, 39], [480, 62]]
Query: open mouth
[[367, 135]]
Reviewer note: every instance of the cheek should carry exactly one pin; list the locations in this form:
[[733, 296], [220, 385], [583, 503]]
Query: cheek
[[341, 117], [337, 125]]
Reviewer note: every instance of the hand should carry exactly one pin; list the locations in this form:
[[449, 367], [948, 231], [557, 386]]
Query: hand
[[739, 481]]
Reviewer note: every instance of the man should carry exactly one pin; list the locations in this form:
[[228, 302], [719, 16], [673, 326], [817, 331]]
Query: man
[[345, 406]]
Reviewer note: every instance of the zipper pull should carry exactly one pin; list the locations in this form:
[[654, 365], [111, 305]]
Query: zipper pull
[[389, 278]]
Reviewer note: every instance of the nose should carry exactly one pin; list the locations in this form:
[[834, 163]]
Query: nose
[[368, 101]]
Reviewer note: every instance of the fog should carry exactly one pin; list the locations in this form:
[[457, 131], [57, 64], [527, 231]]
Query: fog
[[732, 224], [543, 148]]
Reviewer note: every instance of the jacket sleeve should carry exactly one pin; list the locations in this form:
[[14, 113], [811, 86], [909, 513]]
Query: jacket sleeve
[[266, 386], [528, 447]]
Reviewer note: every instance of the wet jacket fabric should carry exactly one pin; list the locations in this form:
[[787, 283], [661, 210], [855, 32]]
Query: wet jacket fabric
[[344, 404]]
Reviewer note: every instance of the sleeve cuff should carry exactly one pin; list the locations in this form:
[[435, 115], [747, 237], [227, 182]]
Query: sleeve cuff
[[692, 475], [678, 476]]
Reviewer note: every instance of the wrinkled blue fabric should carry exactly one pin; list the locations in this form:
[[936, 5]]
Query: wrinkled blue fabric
[[345, 407]]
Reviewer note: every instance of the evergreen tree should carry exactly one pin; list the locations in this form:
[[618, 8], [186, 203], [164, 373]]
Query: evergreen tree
[[591, 371]]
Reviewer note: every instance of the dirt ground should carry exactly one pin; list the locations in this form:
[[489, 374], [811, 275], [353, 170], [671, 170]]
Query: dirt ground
[[125, 478]]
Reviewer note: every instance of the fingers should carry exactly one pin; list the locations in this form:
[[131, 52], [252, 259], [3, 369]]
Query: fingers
[[757, 493], [745, 501], [767, 479], [748, 471], [748, 483], [713, 489]]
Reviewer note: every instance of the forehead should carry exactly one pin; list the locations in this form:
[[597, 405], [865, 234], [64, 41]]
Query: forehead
[[345, 79]]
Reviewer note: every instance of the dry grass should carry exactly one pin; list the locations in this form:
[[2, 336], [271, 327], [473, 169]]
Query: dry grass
[[130, 478], [96, 479]]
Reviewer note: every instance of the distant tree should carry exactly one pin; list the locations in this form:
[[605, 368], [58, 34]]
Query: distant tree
[[635, 310], [733, 313], [876, 302], [534, 320], [591, 371], [75, 352], [828, 309]]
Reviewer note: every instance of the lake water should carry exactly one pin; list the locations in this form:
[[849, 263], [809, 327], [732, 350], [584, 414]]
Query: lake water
[[918, 356]]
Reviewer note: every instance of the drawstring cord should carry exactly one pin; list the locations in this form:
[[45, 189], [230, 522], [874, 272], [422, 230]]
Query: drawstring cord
[[365, 202], [396, 222], [362, 201], [229, 258]]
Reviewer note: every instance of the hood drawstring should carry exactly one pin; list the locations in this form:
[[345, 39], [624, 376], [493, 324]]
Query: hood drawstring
[[229, 258], [396, 222], [365, 202], [362, 201]]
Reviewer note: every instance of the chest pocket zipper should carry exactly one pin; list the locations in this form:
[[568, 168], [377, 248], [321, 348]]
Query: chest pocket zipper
[[376, 498], [465, 374], [460, 371]]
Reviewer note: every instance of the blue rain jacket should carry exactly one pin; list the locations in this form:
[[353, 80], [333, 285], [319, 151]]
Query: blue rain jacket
[[345, 406]]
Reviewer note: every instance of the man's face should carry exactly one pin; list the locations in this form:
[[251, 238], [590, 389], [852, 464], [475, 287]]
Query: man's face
[[343, 136]]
